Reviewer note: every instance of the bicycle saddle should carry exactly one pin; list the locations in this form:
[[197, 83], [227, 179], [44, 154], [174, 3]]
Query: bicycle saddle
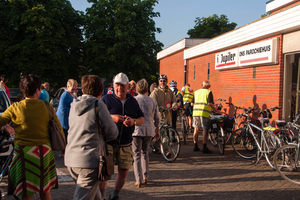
[[280, 123]]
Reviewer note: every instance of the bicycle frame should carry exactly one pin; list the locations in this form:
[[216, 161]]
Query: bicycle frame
[[262, 137]]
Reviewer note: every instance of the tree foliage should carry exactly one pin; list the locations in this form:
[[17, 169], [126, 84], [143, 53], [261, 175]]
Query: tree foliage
[[120, 37], [267, 14], [210, 27], [40, 37]]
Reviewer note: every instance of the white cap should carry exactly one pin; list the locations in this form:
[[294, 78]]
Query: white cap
[[121, 78]]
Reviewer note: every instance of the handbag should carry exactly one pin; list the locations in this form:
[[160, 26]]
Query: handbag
[[106, 163], [57, 139]]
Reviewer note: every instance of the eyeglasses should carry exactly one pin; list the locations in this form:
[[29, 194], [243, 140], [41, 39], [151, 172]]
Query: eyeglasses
[[163, 81]]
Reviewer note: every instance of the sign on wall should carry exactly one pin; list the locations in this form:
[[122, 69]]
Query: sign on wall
[[260, 53], [226, 59]]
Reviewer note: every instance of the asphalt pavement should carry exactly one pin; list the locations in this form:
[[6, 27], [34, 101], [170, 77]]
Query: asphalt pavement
[[194, 175]]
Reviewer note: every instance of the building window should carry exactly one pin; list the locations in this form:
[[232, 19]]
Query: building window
[[208, 71], [194, 72], [254, 72]]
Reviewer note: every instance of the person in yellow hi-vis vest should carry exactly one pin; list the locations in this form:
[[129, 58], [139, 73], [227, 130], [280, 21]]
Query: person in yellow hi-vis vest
[[203, 104], [188, 95]]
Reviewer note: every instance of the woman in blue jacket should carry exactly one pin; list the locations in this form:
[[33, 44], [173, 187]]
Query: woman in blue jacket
[[64, 106]]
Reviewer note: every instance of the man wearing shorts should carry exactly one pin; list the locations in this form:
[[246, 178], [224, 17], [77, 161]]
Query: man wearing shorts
[[126, 113], [188, 95], [203, 104]]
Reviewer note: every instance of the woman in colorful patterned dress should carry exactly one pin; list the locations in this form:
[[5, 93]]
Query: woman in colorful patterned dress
[[33, 166]]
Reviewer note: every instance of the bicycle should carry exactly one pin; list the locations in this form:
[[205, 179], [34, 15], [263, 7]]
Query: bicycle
[[286, 158], [213, 135], [6, 166], [234, 126], [185, 129], [169, 139], [184, 126], [252, 140]]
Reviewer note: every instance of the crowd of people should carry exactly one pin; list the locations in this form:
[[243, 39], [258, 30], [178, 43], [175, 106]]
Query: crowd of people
[[128, 115]]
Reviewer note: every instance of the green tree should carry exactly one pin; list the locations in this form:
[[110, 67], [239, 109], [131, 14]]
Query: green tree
[[120, 37], [267, 14], [210, 27], [41, 37]]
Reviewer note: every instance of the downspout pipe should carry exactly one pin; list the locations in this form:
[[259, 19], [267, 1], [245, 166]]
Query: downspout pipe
[[184, 72]]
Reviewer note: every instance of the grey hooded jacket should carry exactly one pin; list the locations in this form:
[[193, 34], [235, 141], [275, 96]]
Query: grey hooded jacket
[[82, 150]]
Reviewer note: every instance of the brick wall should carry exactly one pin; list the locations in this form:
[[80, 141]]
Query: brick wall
[[236, 85], [173, 67]]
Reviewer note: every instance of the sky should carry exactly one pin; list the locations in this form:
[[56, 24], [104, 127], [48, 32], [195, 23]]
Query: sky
[[178, 16]]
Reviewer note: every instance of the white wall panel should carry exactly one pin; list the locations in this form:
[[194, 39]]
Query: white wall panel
[[282, 22], [182, 44], [272, 5]]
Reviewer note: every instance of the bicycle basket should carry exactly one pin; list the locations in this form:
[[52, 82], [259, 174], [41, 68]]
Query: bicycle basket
[[214, 124], [228, 123]]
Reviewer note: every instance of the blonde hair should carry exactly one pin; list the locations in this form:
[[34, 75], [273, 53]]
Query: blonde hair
[[71, 82]]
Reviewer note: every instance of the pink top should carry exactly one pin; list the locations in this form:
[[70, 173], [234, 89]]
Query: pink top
[[6, 90]]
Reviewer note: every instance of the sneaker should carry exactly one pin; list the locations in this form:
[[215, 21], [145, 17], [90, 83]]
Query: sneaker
[[197, 149], [206, 150], [115, 198]]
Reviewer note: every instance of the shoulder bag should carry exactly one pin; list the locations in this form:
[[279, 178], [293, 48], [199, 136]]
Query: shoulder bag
[[57, 139], [106, 163]]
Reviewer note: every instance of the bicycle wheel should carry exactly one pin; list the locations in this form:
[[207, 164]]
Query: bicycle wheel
[[221, 141], [286, 162], [243, 143], [213, 138], [273, 143], [184, 129], [170, 148]]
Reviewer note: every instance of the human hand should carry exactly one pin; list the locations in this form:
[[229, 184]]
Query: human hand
[[128, 121], [157, 135], [118, 118], [9, 129]]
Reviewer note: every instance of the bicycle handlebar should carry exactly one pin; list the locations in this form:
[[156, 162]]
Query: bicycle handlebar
[[231, 104], [164, 108]]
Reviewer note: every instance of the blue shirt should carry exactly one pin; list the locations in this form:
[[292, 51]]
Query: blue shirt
[[42, 97], [46, 95], [63, 109]]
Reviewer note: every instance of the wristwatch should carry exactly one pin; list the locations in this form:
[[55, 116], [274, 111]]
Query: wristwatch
[[134, 122]]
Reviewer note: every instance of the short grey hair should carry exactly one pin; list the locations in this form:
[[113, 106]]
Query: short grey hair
[[142, 86], [206, 83]]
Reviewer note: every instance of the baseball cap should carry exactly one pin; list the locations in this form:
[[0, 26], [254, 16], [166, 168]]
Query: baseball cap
[[121, 78]]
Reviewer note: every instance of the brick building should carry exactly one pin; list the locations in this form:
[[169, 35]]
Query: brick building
[[255, 65]]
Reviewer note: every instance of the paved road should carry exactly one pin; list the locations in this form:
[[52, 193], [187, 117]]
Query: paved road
[[196, 176]]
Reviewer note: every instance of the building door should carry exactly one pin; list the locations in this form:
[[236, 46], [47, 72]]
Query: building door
[[291, 90]]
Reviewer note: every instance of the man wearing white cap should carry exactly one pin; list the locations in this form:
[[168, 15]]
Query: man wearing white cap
[[126, 113]]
